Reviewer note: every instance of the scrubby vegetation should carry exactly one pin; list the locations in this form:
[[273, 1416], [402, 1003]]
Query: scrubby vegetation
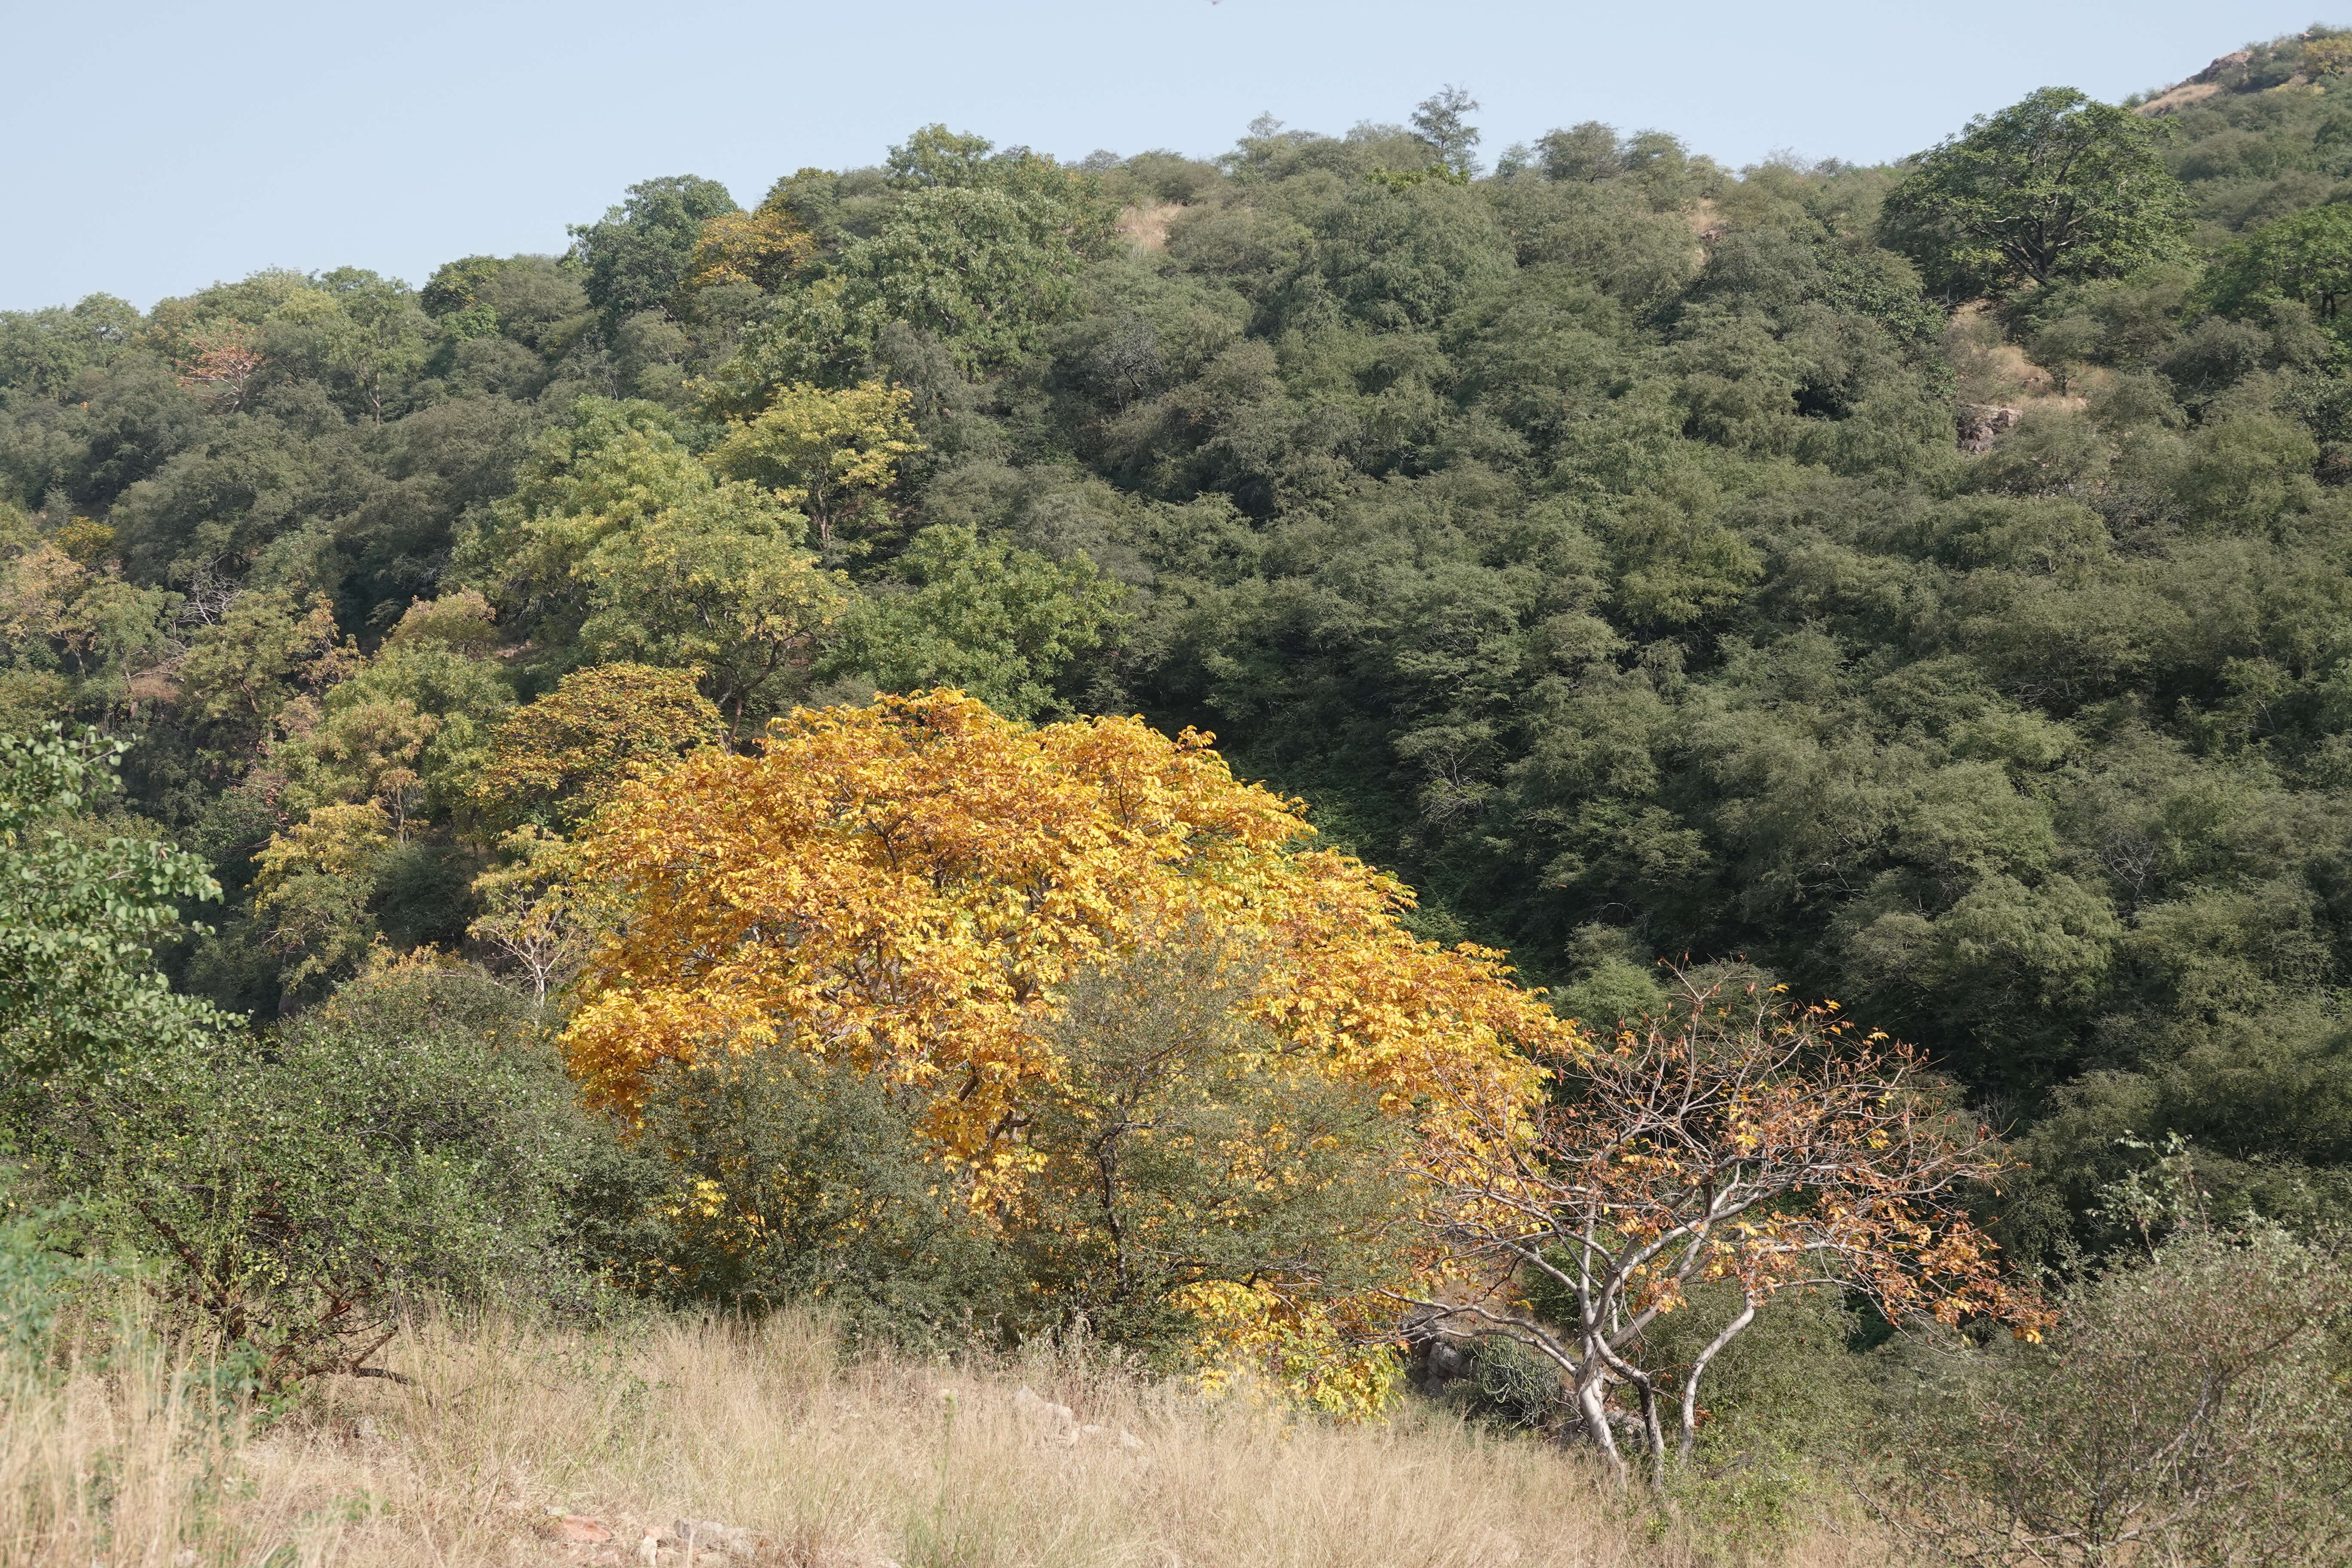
[[676, 778]]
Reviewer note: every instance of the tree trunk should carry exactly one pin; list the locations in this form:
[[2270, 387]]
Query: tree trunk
[[1653, 1434], [1698, 1368], [1590, 1399]]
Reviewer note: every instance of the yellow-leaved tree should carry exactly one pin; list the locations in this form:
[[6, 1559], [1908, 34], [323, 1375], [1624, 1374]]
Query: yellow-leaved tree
[[551, 763], [911, 889], [759, 248], [556, 759]]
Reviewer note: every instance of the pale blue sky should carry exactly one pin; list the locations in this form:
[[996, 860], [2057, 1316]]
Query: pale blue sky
[[153, 148]]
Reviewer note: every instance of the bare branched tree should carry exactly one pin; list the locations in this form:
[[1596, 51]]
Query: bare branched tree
[[1734, 1139]]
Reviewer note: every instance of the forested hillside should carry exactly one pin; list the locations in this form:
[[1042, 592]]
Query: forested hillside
[[1810, 571], [1590, 540]]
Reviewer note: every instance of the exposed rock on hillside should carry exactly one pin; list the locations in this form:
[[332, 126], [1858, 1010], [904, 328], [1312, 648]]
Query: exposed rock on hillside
[[2262, 67]]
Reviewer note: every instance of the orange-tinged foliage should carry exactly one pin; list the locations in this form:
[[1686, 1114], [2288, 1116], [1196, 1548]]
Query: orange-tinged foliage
[[1731, 1140], [224, 365], [907, 883]]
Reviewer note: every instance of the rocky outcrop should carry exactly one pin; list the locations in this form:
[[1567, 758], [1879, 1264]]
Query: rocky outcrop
[[2205, 84], [1982, 424], [2213, 72], [2261, 69]]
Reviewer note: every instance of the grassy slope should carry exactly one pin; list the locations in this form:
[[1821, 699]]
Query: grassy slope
[[843, 1462]]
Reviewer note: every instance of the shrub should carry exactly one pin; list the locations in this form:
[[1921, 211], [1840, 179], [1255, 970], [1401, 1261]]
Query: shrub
[[79, 913], [1177, 1157], [2191, 1406], [1191, 1149], [759, 1181], [39, 1274], [297, 1189]]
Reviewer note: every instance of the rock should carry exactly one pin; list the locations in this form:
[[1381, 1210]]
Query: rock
[[577, 1530], [2214, 71], [2205, 84], [1981, 425], [1062, 1422], [649, 1550], [708, 1537], [1434, 1363], [1045, 1413]]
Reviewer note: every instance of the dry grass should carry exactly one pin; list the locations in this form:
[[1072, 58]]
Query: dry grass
[[1146, 225], [2181, 97], [1990, 369], [826, 1459]]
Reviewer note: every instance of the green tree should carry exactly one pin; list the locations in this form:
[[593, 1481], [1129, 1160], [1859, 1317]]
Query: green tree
[[1439, 120], [455, 288], [313, 887], [409, 730], [721, 585], [2306, 257], [80, 912], [833, 455], [983, 615], [612, 466], [265, 650], [936, 158], [361, 334], [45, 353], [985, 269], [635, 258], [2056, 186], [1586, 151]]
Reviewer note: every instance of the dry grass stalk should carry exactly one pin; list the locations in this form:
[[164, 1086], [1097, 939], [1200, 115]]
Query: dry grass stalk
[[843, 1462]]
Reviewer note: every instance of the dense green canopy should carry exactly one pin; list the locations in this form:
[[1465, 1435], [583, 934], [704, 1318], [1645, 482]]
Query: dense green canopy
[[1644, 559]]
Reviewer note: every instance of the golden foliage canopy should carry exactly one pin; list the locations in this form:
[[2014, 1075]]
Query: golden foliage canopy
[[906, 885], [761, 248]]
